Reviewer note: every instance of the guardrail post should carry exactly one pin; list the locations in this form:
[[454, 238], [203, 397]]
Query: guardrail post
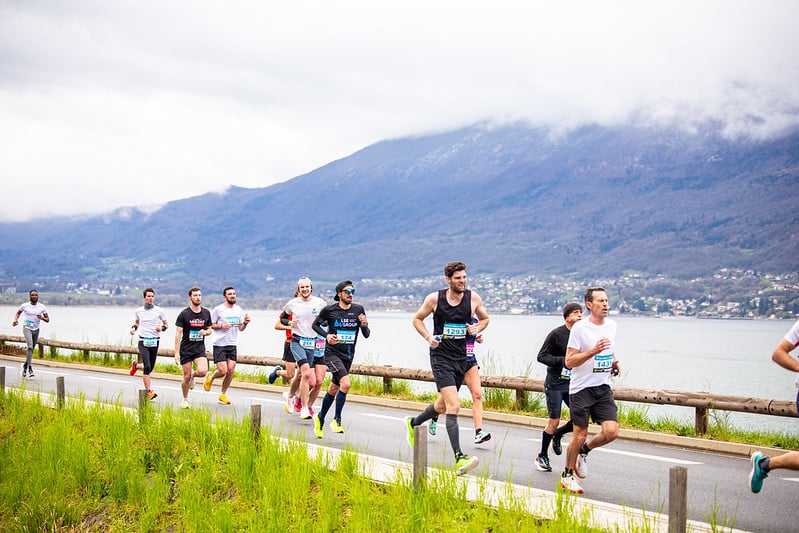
[[419, 458], [59, 392], [86, 355], [678, 499], [255, 421], [387, 383], [521, 399], [2, 380], [700, 421]]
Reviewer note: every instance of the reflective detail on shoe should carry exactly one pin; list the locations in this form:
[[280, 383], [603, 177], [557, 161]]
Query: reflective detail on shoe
[[409, 430], [133, 368], [756, 474], [556, 446], [151, 395], [581, 466], [432, 428], [318, 430], [481, 437], [184, 404], [209, 381], [273, 374], [570, 484], [336, 426], [542, 463], [223, 399], [305, 414], [30, 371], [466, 464]]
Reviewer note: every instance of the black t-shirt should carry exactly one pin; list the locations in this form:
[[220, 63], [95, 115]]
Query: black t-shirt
[[450, 322], [345, 325], [553, 354], [191, 342]]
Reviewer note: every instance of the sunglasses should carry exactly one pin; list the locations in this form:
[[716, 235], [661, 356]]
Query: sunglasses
[[348, 291]]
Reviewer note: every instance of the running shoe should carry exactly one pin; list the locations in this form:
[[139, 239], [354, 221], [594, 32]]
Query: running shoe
[[581, 466], [570, 484], [432, 428], [209, 381], [482, 436], [297, 404], [305, 414], [336, 426], [409, 430], [318, 430], [310, 410], [273, 374], [23, 370], [556, 447], [223, 399], [191, 382], [184, 404], [288, 402], [542, 463], [134, 367], [151, 395], [30, 371], [756, 475], [466, 464]]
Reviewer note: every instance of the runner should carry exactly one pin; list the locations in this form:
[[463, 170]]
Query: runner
[[227, 319], [191, 327], [32, 313], [150, 323]]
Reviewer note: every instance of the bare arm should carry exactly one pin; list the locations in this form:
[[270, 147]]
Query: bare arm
[[480, 312], [782, 356], [16, 317], [178, 335], [428, 307]]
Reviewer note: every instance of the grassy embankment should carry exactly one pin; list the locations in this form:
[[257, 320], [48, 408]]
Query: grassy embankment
[[101, 468], [633, 416]]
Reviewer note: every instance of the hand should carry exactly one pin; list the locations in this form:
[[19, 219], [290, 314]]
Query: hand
[[177, 358], [601, 345], [332, 339], [246, 319], [362, 319], [615, 369], [225, 326], [14, 323]]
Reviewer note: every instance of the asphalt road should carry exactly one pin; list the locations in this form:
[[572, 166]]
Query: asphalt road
[[632, 474]]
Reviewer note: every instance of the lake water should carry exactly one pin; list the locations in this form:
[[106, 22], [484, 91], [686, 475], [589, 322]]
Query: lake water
[[686, 354]]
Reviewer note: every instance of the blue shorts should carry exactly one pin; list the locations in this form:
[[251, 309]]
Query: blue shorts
[[302, 356]]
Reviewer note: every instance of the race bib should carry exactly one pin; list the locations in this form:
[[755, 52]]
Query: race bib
[[319, 347], [194, 335], [454, 331], [603, 362], [29, 324], [309, 343], [469, 348], [149, 341], [233, 320], [566, 373], [346, 336]]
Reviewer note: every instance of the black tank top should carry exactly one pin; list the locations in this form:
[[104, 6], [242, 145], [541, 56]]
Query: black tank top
[[450, 322]]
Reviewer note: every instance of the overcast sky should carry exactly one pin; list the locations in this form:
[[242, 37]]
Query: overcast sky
[[134, 103]]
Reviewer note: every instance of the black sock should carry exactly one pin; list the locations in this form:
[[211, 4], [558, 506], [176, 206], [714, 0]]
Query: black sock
[[546, 438], [567, 472], [453, 433], [428, 413], [565, 428], [584, 449], [764, 464]]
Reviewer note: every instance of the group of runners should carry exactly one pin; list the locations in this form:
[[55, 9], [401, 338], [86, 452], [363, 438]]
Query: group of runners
[[320, 338]]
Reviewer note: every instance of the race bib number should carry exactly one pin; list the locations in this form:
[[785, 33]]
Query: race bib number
[[29, 324], [194, 335], [454, 331], [603, 362], [149, 342], [566, 373], [346, 336], [469, 348], [309, 343], [233, 320]]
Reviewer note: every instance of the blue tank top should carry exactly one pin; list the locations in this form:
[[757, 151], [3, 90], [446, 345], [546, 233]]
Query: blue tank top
[[450, 322]]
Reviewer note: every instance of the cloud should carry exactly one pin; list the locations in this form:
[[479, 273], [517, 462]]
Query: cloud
[[137, 103]]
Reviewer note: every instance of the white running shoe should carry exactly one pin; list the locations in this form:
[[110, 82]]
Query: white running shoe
[[305, 414], [581, 466], [570, 484], [184, 404]]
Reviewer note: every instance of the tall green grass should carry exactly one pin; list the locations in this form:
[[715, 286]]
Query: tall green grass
[[96, 468]]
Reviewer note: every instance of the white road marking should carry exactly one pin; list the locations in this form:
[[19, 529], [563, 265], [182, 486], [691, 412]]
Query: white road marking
[[794, 479]]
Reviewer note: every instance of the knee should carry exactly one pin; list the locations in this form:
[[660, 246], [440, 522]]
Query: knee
[[345, 388], [477, 396], [201, 373], [221, 371], [611, 431]]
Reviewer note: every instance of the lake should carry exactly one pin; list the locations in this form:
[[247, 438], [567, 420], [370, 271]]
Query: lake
[[686, 354]]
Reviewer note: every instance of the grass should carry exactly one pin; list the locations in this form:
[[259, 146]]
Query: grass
[[101, 468], [632, 416]]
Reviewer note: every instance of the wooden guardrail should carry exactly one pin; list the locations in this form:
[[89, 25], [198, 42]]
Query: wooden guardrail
[[700, 401]]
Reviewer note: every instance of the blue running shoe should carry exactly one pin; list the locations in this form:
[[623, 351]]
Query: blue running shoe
[[756, 475], [273, 375]]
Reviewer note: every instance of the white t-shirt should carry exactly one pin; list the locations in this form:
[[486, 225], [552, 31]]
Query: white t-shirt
[[149, 319], [30, 315], [304, 313], [595, 371], [223, 314], [793, 337]]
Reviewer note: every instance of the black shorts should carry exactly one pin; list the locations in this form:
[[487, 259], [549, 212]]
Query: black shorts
[[191, 357], [148, 355], [556, 397], [288, 357], [338, 367], [224, 353], [598, 402], [448, 372]]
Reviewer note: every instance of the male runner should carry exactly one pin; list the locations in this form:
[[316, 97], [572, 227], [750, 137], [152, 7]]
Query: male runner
[[191, 327], [32, 313], [150, 323], [227, 319]]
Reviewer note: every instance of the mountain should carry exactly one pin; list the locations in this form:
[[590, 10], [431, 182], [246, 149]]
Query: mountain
[[512, 199]]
